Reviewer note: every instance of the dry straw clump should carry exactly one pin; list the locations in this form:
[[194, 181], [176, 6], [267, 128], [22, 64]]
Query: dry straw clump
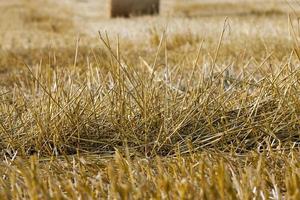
[[126, 8], [187, 117]]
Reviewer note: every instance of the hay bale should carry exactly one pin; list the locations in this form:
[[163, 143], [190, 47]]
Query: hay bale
[[127, 8]]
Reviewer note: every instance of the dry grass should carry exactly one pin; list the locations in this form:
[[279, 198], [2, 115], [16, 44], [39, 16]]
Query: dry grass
[[46, 16], [25, 24], [194, 8], [204, 176], [166, 114]]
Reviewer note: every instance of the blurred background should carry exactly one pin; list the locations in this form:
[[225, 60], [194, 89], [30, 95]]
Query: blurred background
[[33, 24]]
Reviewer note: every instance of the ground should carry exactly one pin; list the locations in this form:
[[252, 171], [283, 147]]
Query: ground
[[200, 102]]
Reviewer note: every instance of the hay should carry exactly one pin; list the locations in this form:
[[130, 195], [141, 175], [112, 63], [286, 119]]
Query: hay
[[127, 8]]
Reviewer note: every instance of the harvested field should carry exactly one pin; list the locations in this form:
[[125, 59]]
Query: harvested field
[[199, 102]]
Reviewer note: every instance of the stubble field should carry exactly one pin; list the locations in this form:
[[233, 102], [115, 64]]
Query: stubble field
[[201, 102]]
